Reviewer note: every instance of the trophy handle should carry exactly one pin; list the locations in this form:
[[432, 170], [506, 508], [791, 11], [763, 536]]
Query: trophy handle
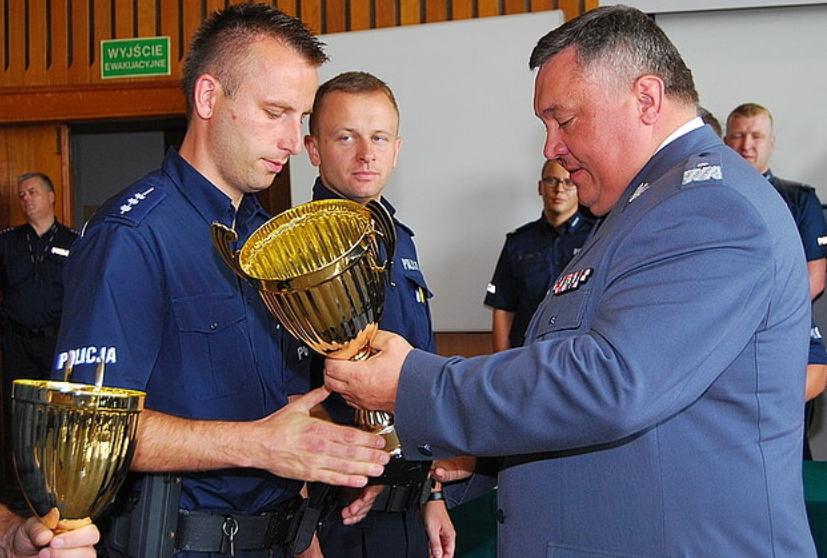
[[387, 233], [222, 238]]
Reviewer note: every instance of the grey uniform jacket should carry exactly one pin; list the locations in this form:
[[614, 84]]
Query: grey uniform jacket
[[657, 410]]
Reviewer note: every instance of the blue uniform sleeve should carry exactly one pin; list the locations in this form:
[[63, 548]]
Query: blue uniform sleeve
[[612, 362], [818, 354], [113, 307], [502, 290], [812, 226]]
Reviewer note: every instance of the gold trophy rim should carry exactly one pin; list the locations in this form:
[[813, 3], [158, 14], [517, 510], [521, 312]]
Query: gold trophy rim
[[291, 219], [78, 395], [63, 398]]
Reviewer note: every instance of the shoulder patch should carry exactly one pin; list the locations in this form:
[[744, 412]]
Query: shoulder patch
[[703, 168], [134, 204]]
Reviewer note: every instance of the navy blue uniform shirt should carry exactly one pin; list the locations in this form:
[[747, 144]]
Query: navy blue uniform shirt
[[147, 293], [531, 259], [806, 209], [31, 273]]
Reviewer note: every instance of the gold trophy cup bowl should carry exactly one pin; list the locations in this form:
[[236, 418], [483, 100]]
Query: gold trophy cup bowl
[[320, 270], [73, 444]]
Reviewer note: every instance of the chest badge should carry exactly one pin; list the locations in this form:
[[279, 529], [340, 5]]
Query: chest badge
[[572, 281]]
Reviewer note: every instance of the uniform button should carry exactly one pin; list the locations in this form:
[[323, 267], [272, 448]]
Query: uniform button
[[214, 326], [425, 449], [500, 516]]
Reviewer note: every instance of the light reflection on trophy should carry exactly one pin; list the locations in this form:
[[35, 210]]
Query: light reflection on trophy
[[73, 444], [319, 268]]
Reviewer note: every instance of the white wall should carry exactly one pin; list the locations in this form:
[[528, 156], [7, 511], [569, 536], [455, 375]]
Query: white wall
[[472, 147], [776, 57]]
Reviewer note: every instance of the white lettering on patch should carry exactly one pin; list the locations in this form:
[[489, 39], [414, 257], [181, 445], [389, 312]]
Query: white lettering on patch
[[87, 355]]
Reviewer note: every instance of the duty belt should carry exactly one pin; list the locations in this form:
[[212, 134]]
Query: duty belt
[[398, 498], [228, 532]]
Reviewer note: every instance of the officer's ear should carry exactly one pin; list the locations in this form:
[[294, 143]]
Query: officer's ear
[[650, 91], [206, 91]]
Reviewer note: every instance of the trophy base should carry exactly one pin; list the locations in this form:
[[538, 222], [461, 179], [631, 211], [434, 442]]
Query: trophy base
[[400, 471]]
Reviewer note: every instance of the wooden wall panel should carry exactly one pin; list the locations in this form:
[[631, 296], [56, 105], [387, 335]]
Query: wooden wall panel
[[55, 43], [386, 13], [78, 24], [462, 9], [310, 12], [36, 70], [435, 11], [360, 15], [16, 41], [335, 17], [410, 12], [59, 42]]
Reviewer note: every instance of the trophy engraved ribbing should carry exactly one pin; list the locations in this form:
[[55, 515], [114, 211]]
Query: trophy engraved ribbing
[[320, 269], [73, 444]]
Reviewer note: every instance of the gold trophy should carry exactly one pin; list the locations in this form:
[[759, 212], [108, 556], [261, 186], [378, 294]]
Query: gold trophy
[[73, 444], [319, 268]]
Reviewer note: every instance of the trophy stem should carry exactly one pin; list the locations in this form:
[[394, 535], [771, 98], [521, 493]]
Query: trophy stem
[[380, 422]]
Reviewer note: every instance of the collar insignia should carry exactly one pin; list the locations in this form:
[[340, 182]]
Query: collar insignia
[[639, 191]]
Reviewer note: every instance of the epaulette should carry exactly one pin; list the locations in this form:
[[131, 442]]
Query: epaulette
[[522, 228], [703, 168], [134, 204]]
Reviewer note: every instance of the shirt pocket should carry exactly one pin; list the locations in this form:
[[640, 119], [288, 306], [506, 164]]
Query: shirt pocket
[[562, 313], [533, 272], [214, 344]]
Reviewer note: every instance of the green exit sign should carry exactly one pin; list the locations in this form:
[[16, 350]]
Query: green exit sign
[[122, 58]]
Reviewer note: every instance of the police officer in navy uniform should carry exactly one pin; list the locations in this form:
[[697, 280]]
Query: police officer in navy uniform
[[354, 142], [534, 255], [149, 297], [750, 133], [32, 257]]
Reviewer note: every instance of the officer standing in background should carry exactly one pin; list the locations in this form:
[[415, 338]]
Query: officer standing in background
[[32, 257], [749, 131], [534, 255], [354, 142]]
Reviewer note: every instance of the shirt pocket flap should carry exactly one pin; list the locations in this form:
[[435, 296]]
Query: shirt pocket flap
[[207, 313]]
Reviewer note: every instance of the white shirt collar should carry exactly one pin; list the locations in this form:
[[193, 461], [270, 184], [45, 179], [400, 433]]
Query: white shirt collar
[[693, 124]]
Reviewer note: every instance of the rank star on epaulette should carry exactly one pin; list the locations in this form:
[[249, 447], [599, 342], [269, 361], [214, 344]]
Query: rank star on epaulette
[[572, 281], [134, 200]]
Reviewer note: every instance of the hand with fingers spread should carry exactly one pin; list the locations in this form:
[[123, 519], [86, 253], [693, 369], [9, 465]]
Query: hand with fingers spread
[[289, 443]]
